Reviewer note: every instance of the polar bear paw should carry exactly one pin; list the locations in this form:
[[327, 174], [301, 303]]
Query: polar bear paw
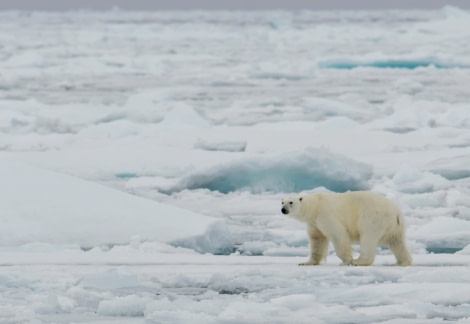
[[309, 263], [347, 263]]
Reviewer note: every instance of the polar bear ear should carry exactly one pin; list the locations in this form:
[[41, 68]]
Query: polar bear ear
[[300, 198]]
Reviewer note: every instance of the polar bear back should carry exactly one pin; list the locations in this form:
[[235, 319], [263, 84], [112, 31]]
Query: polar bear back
[[358, 211]]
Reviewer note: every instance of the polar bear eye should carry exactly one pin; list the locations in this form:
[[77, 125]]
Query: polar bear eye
[[290, 203]]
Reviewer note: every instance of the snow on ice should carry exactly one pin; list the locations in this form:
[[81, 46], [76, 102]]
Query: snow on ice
[[42, 206], [143, 156], [287, 172]]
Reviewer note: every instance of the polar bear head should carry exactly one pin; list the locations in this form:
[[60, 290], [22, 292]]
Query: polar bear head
[[291, 205]]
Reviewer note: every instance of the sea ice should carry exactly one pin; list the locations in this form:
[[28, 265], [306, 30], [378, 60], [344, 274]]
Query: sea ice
[[287, 172], [143, 157], [43, 206]]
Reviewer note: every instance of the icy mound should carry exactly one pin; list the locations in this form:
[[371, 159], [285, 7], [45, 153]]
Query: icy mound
[[414, 181], [454, 168], [43, 206], [227, 146], [381, 62], [183, 116], [287, 172], [444, 234]]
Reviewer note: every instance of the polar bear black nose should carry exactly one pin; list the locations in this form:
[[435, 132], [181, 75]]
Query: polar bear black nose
[[284, 210]]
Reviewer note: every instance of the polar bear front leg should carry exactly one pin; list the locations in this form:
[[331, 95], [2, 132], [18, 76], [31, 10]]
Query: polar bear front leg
[[338, 235], [369, 243], [343, 247], [318, 246]]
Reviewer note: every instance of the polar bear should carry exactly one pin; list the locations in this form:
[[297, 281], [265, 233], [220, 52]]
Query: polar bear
[[343, 218]]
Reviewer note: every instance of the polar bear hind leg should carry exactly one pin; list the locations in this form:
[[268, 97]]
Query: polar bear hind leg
[[398, 246]]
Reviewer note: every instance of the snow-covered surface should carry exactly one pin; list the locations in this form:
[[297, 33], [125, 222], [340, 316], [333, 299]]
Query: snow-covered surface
[[43, 206], [143, 157]]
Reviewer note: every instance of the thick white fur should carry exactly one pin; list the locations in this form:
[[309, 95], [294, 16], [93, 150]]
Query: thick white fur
[[343, 218]]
